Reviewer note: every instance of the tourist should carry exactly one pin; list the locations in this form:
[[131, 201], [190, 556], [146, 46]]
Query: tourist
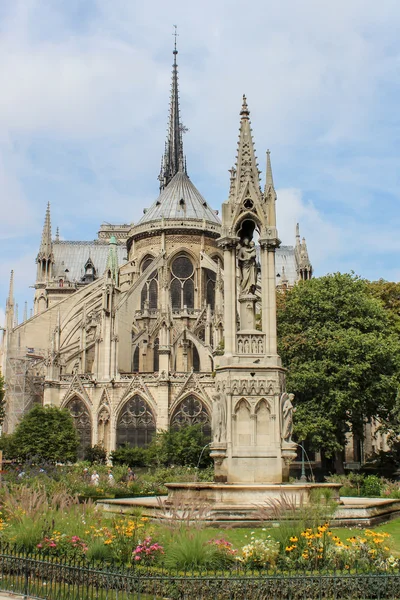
[[95, 478]]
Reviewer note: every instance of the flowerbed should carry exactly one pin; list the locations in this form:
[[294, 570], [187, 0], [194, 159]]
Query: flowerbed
[[58, 525]]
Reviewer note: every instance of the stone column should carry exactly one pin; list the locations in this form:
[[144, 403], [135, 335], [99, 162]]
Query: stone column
[[268, 291], [163, 403], [228, 289], [272, 302]]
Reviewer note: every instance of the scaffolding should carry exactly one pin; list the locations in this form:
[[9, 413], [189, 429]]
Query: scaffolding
[[24, 378]]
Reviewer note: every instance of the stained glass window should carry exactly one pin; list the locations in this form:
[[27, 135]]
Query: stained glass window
[[191, 411], [182, 283], [150, 288], [135, 365], [136, 425], [82, 422]]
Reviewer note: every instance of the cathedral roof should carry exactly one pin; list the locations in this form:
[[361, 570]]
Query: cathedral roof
[[70, 257], [285, 259], [180, 200]]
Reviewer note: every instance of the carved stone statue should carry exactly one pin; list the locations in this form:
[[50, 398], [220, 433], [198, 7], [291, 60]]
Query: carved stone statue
[[287, 411], [248, 266], [218, 419]]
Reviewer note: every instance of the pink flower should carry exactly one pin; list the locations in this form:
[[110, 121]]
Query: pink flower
[[137, 557], [39, 546]]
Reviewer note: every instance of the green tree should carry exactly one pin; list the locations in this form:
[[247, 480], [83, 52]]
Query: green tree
[[341, 349], [95, 454], [179, 447], [388, 292], [48, 433]]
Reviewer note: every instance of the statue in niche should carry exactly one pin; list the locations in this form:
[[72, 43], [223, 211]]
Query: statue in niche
[[287, 410], [218, 417], [247, 257]]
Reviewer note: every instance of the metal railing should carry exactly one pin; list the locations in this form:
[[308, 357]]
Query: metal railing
[[52, 578]]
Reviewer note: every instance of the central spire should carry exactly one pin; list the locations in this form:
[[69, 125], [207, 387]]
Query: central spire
[[173, 160]]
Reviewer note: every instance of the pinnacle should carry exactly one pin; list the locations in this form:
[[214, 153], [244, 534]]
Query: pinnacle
[[244, 113], [269, 182]]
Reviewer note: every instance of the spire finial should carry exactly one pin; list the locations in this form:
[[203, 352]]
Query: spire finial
[[175, 34], [45, 250], [173, 160], [246, 167], [244, 113], [269, 182], [112, 260], [57, 234], [10, 299]]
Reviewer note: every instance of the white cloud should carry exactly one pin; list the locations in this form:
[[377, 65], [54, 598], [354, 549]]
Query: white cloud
[[87, 84]]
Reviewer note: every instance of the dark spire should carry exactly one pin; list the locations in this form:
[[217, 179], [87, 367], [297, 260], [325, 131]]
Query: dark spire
[[173, 160]]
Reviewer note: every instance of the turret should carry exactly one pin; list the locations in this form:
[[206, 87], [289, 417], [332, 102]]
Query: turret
[[303, 264]]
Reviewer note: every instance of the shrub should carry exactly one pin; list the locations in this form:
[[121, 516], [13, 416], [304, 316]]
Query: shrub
[[60, 544], [96, 454], [147, 552], [47, 433], [262, 551], [128, 455], [180, 447], [371, 486]]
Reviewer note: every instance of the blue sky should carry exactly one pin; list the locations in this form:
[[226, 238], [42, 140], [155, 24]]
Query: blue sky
[[83, 114]]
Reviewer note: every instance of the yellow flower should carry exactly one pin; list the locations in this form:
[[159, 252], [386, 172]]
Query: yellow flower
[[294, 539], [108, 542]]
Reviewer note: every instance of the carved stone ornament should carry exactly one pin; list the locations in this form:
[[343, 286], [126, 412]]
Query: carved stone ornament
[[218, 420], [287, 410]]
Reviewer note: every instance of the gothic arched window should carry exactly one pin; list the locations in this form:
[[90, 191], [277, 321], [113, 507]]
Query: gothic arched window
[[210, 278], [196, 360], [150, 288], [82, 423], [136, 424], [191, 411], [135, 361], [182, 283]]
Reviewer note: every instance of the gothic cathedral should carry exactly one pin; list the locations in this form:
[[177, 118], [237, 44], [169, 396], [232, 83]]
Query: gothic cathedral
[[127, 331]]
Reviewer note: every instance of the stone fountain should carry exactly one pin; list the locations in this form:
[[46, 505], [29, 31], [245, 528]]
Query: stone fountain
[[252, 416]]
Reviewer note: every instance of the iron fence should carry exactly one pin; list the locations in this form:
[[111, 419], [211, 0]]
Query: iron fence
[[53, 579]]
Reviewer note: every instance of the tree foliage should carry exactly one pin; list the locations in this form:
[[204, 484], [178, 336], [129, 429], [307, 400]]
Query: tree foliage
[[96, 454], [388, 292], [342, 351], [180, 447], [47, 433]]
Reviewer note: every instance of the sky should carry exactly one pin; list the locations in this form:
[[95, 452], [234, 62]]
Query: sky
[[84, 106]]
